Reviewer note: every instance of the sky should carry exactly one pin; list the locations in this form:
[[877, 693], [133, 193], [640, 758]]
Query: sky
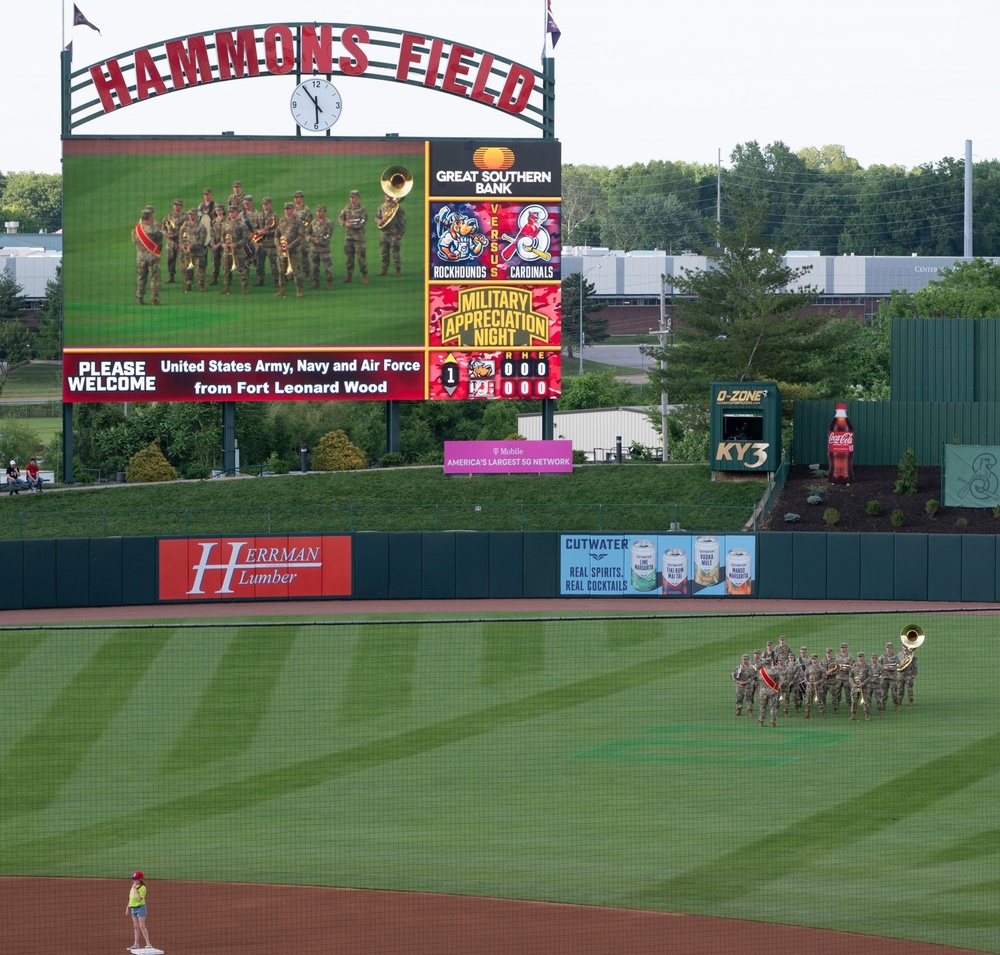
[[893, 82]]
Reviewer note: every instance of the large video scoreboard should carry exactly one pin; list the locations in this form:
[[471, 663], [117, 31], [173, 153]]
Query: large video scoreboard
[[473, 313]]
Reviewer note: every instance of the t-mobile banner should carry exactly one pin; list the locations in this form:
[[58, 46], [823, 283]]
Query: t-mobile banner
[[668, 565], [249, 568], [507, 457]]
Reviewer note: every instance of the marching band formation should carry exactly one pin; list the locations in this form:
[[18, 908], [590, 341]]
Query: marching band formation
[[224, 240], [776, 679]]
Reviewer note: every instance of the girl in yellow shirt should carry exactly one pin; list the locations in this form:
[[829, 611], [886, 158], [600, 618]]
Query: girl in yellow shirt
[[137, 910]]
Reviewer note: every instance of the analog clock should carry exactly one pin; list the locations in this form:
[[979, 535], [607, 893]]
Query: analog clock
[[316, 104]]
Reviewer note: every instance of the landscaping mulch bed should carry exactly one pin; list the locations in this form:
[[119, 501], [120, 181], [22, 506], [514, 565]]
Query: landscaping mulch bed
[[873, 483]]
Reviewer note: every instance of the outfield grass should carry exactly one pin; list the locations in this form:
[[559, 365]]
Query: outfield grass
[[593, 761], [37, 379], [595, 497]]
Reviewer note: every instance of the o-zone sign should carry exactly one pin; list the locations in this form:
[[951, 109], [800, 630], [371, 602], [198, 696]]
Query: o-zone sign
[[254, 568]]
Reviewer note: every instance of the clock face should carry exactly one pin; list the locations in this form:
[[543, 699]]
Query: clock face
[[316, 104]]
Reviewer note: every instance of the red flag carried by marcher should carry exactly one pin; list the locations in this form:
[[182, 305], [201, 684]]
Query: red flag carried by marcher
[[79, 20]]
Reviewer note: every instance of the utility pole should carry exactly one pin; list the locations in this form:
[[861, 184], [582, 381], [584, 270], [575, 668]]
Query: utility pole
[[661, 334]]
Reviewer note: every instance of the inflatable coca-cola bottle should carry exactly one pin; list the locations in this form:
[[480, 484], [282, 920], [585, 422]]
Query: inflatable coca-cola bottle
[[840, 448]]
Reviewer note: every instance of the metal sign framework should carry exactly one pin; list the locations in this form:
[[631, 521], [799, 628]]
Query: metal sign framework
[[280, 49]]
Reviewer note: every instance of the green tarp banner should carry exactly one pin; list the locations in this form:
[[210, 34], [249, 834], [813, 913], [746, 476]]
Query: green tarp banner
[[970, 475]]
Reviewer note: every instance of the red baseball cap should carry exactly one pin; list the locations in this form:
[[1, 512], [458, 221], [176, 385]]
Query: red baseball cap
[[137, 875]]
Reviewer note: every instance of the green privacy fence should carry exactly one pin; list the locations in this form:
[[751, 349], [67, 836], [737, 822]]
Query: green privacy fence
[[883, 430], [330, 519]]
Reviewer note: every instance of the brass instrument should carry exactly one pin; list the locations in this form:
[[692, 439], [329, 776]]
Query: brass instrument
[[912, 636], [396, 182], [283, 245], [227, 241]]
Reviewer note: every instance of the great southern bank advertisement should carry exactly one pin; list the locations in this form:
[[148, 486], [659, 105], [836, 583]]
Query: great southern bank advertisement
[[667, 565]]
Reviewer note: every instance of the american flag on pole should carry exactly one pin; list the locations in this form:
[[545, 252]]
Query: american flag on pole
[[79, 20]]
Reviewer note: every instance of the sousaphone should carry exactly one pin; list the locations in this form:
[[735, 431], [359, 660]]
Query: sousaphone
[[396, 182], [911, 636]]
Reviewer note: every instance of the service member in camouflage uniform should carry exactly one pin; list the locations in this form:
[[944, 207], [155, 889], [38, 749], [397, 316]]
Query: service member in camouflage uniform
[[908, 674], [191, 251], [860, 687], [171, 226], [237, 196], [875, 665], [800, 687], [891, 680], [234, 259], [206, 216], [267, 253], [304, 214], [148, 239], [218, 230], [353, 218], [767, 698], [251, 219], [770, 657], [289, 239], [842, 683], [783, 651], [745, 678], [390, 233], [757, 661], [320, 231], [815, 687]]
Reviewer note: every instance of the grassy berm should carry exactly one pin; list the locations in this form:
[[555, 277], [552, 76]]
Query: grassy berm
[[603, 497]]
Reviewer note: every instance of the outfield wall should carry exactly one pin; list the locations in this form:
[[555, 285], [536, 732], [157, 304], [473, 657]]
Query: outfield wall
[[125, 571]]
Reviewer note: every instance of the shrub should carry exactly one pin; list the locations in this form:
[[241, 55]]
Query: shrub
[[906, 483], [791, 518], [818, 490], [393, 459], [874, 508], [996, 512], [814, 499], [336, 453], [579, 457], [962, 523], [148, 466], [831, 516], [897, 518], [931, 507]]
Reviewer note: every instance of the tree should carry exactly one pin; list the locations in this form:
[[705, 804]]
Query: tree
[[650, 222], [15, 346], [744, 317], [34, 199], [595, 328], [50, 315], [12, 299], [969, 290]]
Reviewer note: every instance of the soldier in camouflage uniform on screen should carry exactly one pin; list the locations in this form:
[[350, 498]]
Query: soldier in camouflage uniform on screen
[[304, 214], [171, 226], [218, 229], [289, 239], [390, 233], [320, 231], [191, 251], [353, 218], [148, 239], [267, 253], [234, 259], [800, 687]]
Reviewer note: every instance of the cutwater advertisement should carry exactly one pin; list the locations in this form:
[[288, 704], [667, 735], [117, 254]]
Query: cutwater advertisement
[[667, 565]]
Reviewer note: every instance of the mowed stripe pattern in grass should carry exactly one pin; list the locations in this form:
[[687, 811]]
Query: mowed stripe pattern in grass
[[592, 761]]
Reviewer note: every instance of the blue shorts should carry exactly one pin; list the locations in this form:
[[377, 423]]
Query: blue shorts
[[138, 911]]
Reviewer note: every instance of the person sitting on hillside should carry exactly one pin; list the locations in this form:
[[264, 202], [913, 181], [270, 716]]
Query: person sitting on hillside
[[34, 478]]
